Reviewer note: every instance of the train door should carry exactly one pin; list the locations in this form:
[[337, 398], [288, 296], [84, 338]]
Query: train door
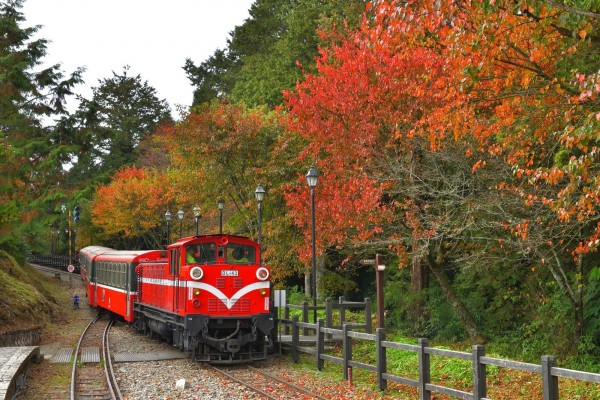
[[94, 267], [175, 267], [129, 274]]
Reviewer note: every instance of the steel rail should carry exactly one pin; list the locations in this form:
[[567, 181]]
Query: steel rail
[[74, 368], [296, 387], [252, 387], [113, 386]]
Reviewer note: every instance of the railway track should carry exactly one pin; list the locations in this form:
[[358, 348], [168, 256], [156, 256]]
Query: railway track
[[52, 270], [265, 384], [92, 376]]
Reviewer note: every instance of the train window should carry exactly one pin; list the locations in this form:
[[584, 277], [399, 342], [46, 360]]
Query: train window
[[202, 253], [173, 261], [116, 274], [100, 272], [240, 254]]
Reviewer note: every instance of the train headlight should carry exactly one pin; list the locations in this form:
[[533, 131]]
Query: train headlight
[[196, 273], [262, 274]]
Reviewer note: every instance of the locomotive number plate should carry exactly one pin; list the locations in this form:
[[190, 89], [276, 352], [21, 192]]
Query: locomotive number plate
[[229, 272]]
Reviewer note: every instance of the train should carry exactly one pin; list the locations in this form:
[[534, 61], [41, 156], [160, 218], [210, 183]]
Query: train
[[207, 295]]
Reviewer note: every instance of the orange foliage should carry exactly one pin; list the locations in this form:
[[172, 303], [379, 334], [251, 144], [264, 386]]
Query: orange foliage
[[486, 74], [133, 202]]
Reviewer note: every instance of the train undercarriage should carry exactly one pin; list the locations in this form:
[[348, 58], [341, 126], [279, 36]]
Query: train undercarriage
[[219, 340]]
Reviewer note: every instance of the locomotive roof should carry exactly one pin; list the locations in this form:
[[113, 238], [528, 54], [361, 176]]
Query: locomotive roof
[[216, 236]]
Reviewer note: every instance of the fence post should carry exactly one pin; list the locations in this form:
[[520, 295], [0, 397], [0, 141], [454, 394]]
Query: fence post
[[381, 359], [295, 339], [342, 311], [479, 373], [305, 317], [368, 320], [424, 370], [328, 315], [549, 382], [320, 344], [286, 316], [347, 344]]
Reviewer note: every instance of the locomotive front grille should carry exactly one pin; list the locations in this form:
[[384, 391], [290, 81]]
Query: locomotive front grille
[[244, 305], [217, 306], [238, 283]]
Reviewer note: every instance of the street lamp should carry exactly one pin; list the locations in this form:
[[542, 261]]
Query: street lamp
[[168, 219], [221, 204], [197, 216], [259, 193], [180, 217], [311, 178]]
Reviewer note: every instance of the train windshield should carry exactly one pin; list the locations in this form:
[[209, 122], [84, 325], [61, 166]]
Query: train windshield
[[201, 253], [240, 254]]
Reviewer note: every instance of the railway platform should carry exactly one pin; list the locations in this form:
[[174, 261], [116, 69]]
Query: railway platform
[[14, 362]]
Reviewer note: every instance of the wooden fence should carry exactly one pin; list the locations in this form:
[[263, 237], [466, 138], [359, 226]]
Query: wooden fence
[[548, 370], [329, 308]]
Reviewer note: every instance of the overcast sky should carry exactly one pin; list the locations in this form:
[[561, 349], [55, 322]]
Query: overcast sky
[[153, 37]]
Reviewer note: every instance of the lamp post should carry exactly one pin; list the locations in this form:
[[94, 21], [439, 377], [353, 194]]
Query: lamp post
[[259, 193], [312, 177], [221, 204], [168, 219], [197, 217], [180, 217]]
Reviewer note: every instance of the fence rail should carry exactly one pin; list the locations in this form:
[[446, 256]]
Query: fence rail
[[548, 371], [59, 262], [329, 308]]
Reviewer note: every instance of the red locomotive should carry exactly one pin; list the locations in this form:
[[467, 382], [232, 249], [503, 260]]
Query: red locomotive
[[207, 295]]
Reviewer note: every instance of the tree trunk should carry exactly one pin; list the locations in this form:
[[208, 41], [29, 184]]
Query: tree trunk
[[579, 315], [463, 314], [419, 281], [419, 277]]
